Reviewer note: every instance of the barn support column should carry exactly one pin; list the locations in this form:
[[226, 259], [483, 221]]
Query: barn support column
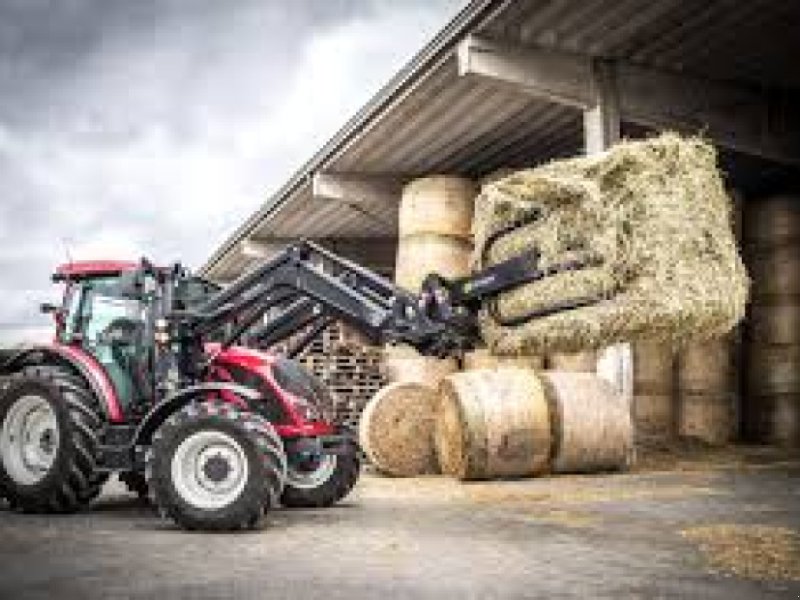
[[601, 129]]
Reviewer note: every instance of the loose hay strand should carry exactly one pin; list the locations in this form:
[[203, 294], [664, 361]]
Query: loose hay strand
[[750, 551]]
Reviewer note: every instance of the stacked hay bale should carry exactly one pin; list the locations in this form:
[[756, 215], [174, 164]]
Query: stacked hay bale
[[772, 235], [707, 391], [581, 362], [434, 237], [707, 376], [653, 392], [483, 359], [434, 229], [405, 364]]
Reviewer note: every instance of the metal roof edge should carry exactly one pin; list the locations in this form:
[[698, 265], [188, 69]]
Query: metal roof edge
[[471, 16]]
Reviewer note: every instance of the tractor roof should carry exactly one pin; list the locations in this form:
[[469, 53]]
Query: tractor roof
[[83, 269]]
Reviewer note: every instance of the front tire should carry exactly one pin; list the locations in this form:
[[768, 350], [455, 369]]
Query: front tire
[[215, 467], [323, 481], [48, 442]]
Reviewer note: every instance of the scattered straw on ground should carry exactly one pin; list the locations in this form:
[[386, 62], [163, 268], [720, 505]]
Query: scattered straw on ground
[[654, 212], [687, 455], [582, 494], [565, 518], [750, 551]]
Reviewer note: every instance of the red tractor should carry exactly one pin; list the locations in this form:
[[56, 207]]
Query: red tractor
[[145, 379], [110, 395]]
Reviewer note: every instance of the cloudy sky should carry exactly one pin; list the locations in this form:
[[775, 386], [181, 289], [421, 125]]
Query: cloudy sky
[[154, 127]]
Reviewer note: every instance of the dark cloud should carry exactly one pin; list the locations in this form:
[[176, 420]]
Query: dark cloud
[[131, 127]]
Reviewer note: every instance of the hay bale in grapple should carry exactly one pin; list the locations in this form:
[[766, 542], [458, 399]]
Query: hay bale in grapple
[[396, 429], [655, 215]]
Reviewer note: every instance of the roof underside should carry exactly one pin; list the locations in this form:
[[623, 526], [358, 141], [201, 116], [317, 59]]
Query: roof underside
[[431, 120]]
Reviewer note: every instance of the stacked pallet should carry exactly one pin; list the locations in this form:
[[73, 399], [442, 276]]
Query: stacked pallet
[[351, 371]]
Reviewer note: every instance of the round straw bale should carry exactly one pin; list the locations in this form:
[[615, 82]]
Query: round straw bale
[[710, 417], [654, 416], [775, 271], [405, 364], [652, 368], [483, 359], [776, 322], [492, 424], [707, 390], [439, 204], [773, 419], [396, 429], [592, 429], [772, 221], [707, 367], [421, 254], [585, 362], [773, 370]]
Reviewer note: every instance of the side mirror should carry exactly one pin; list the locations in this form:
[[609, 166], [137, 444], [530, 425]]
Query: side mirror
[[48, 309]]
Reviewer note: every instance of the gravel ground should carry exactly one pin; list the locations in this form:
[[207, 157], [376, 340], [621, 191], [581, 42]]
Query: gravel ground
[[601, 536]]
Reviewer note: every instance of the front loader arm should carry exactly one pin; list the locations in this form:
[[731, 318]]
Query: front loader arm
[[305, 287]]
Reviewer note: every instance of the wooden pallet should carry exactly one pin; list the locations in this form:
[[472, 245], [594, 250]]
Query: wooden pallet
[[351, 370]]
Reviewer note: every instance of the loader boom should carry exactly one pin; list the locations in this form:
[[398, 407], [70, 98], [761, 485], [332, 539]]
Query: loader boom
[[305, 287]]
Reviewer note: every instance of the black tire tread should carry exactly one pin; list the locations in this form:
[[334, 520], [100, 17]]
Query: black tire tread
[[248, 510], [78, 482], [339, 485]]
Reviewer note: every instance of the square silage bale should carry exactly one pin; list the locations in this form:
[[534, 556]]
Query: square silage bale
[[652, 218]]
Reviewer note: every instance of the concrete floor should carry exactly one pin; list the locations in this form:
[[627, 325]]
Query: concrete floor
[[608, 536]]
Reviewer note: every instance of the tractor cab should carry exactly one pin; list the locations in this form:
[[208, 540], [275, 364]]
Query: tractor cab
[[106, 311]]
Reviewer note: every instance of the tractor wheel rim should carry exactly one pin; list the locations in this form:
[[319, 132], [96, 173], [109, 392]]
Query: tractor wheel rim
[[209, 470], [309, 478], [29, 439]]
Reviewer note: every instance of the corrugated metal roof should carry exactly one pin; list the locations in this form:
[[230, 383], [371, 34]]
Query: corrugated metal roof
[[428, 119]]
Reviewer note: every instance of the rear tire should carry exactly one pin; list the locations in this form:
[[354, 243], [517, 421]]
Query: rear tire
[[215, 467], [323, 483], [48, 441]]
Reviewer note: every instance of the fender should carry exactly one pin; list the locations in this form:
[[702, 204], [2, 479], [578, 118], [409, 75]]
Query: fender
[[170, 405], [92, 372]]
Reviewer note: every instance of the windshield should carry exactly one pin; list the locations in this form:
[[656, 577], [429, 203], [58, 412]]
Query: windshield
[[96, 303]]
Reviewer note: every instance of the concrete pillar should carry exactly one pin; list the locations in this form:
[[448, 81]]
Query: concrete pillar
[[601, 129]]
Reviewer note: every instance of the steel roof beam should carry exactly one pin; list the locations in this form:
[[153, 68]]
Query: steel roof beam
[[738, 116], [356, 187]]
